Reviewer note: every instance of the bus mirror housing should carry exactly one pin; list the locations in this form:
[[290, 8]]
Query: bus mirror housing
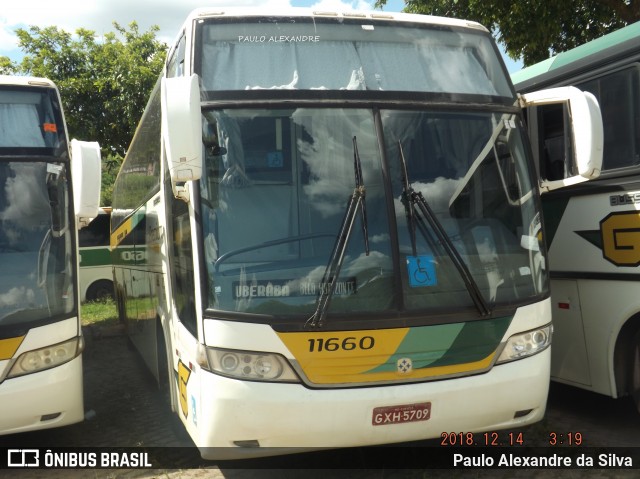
[[585, 123], [86, 171], [182, 131]]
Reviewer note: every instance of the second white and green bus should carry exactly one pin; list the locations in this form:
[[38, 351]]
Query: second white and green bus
[[327, 230], [593, 228], [96, 271]]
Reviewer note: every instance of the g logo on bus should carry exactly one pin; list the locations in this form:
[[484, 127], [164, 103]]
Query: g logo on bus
[[621, 238]]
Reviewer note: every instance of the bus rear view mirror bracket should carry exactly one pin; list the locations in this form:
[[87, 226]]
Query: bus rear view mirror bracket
[[86, 170], [586, 127], [181, 131]]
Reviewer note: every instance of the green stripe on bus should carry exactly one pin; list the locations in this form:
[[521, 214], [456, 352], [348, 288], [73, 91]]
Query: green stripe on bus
[[449, 344], [95, 257]]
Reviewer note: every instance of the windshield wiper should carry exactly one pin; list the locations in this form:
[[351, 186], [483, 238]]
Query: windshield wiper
[[411, 199], [332, 271]]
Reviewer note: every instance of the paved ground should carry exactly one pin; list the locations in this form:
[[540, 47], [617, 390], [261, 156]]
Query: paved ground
[[125, 410]]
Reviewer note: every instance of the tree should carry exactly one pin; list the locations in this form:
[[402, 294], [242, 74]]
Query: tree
[[6, 66], [534, 30], [104, 83]]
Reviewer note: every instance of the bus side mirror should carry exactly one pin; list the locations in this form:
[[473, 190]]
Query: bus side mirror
[[585, 125], [86, 173], [182, 131]]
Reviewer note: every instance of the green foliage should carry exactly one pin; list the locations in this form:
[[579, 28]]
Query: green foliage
[[110, 167], [104, 83], [135, 189], [7, 67], [533, 30]]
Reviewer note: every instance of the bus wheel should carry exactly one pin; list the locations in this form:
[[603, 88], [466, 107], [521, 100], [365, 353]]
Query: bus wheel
[[101, 289], [634, 383]]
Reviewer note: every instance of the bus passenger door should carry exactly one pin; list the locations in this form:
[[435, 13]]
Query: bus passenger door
[[569, 353], [567, 151], [182, 352]]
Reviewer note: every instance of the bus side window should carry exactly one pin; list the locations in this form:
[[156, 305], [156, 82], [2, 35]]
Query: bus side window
[[175, 66], [95, 233], [554, 145], [181, 253], [617, 95]]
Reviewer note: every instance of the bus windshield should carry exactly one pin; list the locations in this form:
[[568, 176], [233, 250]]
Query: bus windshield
[[35, 242], [289, 174], [35, 233], [370, 56]]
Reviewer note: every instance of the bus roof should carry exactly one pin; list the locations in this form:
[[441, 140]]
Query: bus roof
[[25, 80], [310, 12], [605, 49]]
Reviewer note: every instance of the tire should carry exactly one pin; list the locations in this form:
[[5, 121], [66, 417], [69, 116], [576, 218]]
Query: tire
[[101, 289]]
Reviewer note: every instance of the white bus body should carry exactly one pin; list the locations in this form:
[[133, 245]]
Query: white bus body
[[40, 335], [592, 229], [326, 232]]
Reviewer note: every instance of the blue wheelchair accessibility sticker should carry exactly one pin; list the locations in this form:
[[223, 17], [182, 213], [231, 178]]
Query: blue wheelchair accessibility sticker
[[422, 271], [275, 159]]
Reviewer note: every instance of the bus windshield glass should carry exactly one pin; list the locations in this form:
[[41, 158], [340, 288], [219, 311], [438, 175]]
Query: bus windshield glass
[[293, 54], [35, 242], [288, 175], [31, 122]]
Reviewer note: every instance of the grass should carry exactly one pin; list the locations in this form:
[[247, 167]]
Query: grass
[[99, 313]]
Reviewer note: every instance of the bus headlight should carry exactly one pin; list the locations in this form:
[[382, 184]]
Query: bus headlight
[[46, 358], [248, 365], [526, 344]]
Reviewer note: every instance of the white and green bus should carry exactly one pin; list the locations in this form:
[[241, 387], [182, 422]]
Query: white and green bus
[[96, 271], [48, 186], [592, 228], [326, 232]]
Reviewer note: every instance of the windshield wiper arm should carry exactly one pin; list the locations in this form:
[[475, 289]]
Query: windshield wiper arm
[[506, 121], [332, 270], [359, 185], [413, 199]]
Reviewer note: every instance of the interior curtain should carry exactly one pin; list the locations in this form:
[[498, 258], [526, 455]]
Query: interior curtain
[[341, 65], [20, 126]]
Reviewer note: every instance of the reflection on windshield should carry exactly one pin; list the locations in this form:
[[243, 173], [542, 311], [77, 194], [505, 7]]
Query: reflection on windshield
[[35, 242], [289, 176], [276, 188], [469, 168]]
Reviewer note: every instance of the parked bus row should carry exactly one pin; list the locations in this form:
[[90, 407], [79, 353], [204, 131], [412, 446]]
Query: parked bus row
[[349, 249]]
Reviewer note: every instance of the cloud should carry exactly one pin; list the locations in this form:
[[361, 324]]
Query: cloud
[[341, 6], [27, 210], [99, 15], [17, 296]]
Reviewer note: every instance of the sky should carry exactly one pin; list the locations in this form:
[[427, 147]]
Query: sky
[[99, 15]]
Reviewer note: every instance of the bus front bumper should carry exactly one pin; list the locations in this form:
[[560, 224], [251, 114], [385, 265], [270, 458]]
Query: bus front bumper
[[252, 419], [41, 400]]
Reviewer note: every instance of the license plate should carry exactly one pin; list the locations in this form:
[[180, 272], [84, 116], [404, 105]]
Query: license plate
[[399, 414]]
